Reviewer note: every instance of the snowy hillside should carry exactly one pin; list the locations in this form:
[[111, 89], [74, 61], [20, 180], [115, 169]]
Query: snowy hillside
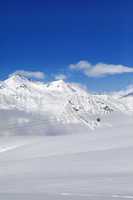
[[126, 97], [55, 102], [77, 167], [128, 101]]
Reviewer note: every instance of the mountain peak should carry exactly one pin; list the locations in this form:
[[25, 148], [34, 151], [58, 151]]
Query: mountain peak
[[61, 86], [17, 76], [57, 84], [16, 80]]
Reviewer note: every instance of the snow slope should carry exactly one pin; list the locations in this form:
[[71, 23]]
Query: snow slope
[[126, 97], [96, 166]]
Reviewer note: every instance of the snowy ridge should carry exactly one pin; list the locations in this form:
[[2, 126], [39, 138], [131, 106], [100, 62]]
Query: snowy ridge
[[126, 97]]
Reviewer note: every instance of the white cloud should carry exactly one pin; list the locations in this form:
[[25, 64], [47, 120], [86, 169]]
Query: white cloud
[[100, 69], [30, 74], [60, 77]]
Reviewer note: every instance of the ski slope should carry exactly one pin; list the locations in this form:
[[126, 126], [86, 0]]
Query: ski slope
[[97, 165]]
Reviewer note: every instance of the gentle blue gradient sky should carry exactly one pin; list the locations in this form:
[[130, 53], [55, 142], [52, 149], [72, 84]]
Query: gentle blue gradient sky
[[48, 35]]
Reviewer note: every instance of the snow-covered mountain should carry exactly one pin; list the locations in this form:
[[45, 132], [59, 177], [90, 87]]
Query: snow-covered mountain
[[57, 101], [126, 97]]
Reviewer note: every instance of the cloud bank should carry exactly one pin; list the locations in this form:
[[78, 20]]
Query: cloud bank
[[60, 77], [100, 69], [30, 74]]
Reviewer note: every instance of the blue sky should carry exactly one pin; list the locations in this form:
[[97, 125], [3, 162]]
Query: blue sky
[[50, 35]]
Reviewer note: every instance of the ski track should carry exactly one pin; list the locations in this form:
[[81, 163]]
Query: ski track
[[4, 149], [92, 195]]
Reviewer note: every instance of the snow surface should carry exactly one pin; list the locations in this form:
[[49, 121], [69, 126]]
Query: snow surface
[[95, 165], [53, 147]]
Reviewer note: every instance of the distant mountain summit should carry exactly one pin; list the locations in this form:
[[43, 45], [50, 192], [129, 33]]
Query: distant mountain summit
[[15, 81]]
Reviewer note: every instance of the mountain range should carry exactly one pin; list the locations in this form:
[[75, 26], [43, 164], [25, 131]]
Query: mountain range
[[59, 101]]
